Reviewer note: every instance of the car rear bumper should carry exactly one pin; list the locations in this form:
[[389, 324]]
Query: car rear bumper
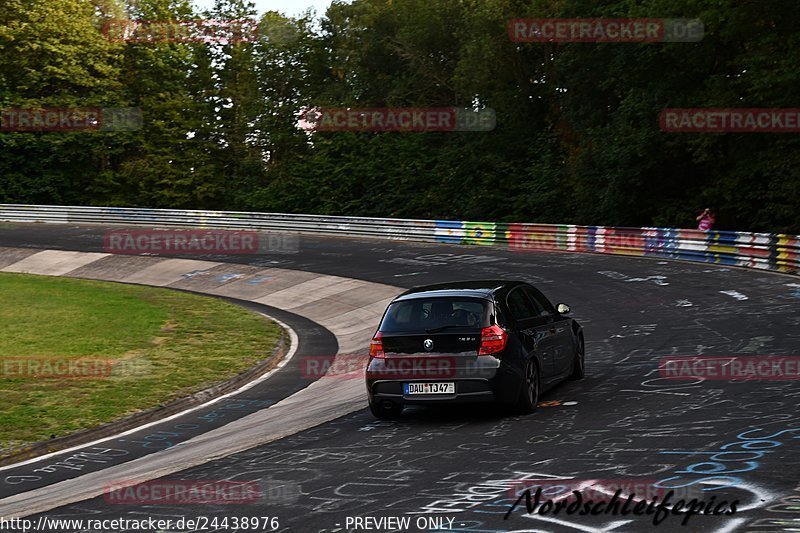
[[466, 391], [477, 379]]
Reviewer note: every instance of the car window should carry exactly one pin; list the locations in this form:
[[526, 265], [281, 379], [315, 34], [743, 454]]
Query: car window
[[520, 305], [429, 313], [543, 305]]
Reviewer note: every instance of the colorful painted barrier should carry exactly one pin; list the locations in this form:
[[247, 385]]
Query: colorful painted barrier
[[752, 250], [762, 251]]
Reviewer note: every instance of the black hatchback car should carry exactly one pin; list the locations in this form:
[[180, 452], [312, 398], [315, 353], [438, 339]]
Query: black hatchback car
[[471, 341]]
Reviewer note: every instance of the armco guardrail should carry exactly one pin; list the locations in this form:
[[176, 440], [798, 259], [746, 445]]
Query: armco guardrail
[[753, 250]]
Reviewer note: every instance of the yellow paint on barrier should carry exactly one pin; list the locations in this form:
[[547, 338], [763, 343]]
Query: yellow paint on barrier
[[722, 249]]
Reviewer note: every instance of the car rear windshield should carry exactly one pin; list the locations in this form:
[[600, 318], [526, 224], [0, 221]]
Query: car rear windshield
[[424, 314]]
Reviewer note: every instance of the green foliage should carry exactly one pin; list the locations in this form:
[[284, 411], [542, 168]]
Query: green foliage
[[577, 138]]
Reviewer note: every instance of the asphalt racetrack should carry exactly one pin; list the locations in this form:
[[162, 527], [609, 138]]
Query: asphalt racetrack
[[455, 469]]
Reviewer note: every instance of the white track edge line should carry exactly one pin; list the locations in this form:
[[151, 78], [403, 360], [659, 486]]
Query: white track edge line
[[292, 350]]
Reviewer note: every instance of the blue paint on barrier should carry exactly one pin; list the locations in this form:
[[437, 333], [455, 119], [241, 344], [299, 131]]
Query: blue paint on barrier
[[653, 242], [727, 259], [449, 231], [670, 242], [591, 238], [727, 238]]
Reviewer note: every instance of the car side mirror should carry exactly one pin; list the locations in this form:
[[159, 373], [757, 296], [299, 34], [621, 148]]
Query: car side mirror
[[563, 309]]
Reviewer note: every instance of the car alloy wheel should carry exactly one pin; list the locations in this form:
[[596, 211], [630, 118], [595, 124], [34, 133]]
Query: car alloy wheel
[[529, 393]]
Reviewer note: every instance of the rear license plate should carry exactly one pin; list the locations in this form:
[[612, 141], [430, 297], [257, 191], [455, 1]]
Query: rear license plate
[[429, 388]]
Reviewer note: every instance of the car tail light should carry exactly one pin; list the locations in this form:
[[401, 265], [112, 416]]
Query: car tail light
[[493, 340], [376, 347]]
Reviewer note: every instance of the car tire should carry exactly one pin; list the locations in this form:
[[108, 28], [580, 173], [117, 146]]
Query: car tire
[[529, 392], [579, 362], [385, 413]]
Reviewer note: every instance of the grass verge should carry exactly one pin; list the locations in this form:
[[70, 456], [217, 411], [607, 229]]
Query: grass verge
[[131, 348]]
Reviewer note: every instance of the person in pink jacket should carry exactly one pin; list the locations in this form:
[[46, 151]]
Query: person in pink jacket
[[706, 220]]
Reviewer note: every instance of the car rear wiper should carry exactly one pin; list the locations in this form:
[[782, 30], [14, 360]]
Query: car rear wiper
[[442, 328]]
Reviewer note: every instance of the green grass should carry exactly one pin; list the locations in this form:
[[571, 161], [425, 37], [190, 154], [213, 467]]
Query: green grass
[[163, 345]]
